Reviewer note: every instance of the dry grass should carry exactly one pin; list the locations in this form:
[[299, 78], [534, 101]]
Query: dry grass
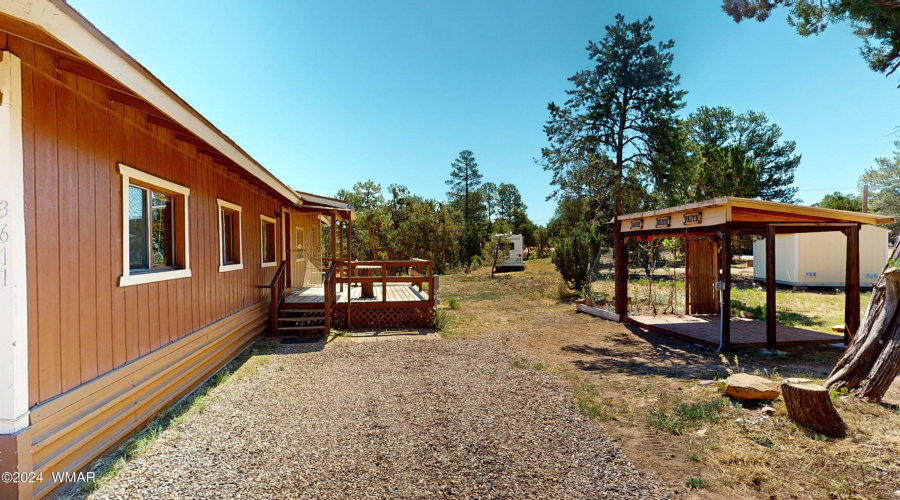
[[644, 389]]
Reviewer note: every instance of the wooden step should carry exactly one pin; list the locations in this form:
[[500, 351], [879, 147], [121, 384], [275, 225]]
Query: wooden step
[[295, 319], [299, 328], [302, 306]]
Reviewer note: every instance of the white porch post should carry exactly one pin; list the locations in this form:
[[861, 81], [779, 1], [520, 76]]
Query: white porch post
[[13, 279]]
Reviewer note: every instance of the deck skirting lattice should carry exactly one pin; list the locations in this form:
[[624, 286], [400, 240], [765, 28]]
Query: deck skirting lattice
[[384, 315]]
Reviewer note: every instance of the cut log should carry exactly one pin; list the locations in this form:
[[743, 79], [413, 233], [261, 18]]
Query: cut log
[[872, 359], [809, 406]]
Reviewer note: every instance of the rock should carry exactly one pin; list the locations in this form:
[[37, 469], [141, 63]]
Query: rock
[[700, 433], [795, 380], [768, 410], [744, 387], [838, 328], [706, 383], [674, 386], [748, 315]]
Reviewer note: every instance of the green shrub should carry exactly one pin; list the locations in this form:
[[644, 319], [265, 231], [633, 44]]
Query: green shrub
[[574, 253], [441, 320], [694, 483], [453, 303]]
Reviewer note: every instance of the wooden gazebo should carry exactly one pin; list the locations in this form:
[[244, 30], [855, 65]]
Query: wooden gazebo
[[721, 219]]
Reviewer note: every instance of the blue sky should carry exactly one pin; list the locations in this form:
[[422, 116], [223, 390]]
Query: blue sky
[[325, 94]]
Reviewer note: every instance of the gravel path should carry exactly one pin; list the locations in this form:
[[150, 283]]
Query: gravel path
[[405, 419]]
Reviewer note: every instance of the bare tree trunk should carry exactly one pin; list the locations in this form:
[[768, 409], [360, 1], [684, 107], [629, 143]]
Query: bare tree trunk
[[872, 360]]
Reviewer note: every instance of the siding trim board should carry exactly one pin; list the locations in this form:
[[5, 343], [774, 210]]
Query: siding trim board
[[14, 370]]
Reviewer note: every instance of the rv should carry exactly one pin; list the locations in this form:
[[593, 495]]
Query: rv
[[514, 259]]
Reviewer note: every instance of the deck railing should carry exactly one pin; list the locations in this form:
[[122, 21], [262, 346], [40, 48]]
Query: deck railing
[[419, 272], [384, 313], [276, 294]]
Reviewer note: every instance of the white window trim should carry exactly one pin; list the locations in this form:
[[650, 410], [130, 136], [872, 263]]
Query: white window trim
[[262, 250], [224, 268], [127, 278]]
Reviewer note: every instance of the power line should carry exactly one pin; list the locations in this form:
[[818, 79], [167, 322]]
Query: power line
[[826, 189]]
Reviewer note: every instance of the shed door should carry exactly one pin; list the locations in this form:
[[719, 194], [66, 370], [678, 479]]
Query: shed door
[[702, 273]]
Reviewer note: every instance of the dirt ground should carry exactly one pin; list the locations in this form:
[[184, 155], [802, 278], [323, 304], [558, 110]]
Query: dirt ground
[[645, 391]]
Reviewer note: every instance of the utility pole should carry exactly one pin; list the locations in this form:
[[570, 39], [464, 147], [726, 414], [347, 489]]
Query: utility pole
[[865, 199]]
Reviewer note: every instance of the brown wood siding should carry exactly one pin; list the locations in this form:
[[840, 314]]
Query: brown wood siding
[[739, 214], [81, 323]]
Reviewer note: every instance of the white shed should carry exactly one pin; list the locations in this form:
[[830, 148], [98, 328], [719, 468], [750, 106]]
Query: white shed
[[819, 259]]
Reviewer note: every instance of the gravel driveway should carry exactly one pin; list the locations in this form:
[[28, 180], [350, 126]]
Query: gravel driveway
[[399, 418]]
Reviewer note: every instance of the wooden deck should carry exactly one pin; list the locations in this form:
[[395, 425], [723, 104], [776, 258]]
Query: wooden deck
[[745, 333], [396, 292]]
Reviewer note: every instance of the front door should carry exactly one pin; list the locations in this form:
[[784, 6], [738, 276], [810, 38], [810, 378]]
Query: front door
[[298, 252]]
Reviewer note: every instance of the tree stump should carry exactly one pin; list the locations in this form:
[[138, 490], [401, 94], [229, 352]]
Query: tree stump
[[809, 406], [872, 360]]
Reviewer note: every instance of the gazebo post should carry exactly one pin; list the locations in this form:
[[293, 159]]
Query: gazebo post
[[621, 257], [726, 293], [851, 285], [771, 324]]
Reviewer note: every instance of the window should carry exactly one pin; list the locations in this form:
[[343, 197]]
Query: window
[[155, 221], [151, 232], [230, 258], [267, 240]]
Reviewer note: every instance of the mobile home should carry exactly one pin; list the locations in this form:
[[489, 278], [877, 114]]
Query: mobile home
[[818, 259], [137, 244]]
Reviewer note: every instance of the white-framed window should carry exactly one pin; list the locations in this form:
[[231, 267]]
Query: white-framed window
[[154, 228], [230, 237], [267, 240]]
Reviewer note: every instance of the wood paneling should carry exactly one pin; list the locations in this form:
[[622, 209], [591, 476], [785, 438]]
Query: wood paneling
[[82, 324]]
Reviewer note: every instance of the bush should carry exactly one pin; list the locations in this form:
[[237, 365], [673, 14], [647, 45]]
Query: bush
[[476, 263], [441, 320], [453, 303], [574, 253]]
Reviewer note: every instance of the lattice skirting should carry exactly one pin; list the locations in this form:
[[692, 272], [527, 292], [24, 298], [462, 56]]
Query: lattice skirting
[[384, 315]]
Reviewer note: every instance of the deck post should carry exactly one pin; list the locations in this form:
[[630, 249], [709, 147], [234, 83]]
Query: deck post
[[620, 254], [687, 277], [333, 234], [771, 323], [726, 293], [383, 282], [431, 281], [851, 285]]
